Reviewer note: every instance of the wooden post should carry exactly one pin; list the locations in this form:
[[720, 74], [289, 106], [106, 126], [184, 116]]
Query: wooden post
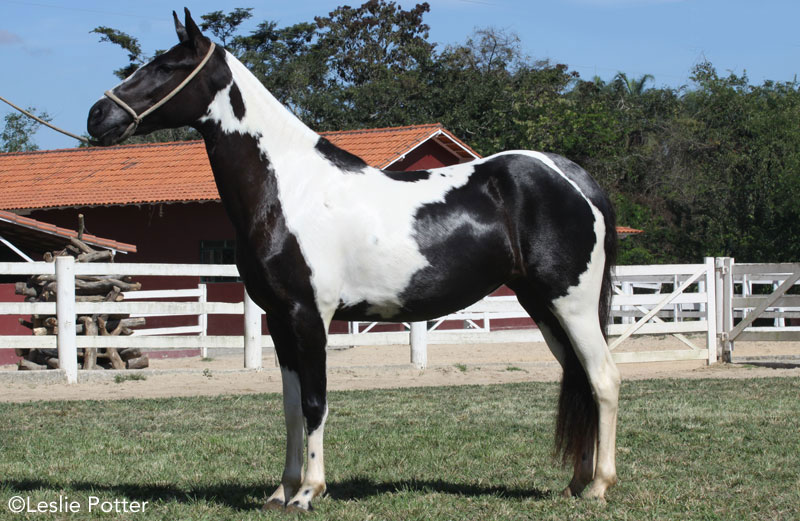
[[627, 289], [252, 333], [727, 308], [711, 310], [202, 319], [419, 344], [719, 264], [65, 314]]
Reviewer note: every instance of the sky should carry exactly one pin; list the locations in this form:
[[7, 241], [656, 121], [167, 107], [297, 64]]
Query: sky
[[52, 62]]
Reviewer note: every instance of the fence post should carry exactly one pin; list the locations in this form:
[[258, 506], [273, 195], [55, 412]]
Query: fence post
[[727, 308], [719, 291], [419, 344], [65, 316], [627, 289], [711, 309], [252, 333], [202, 319]]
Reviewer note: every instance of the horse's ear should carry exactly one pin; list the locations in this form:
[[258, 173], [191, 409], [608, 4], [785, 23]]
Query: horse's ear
[[192, 30], [180, 29]]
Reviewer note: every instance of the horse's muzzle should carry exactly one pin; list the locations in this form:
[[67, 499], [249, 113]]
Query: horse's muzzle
[[107, 123]]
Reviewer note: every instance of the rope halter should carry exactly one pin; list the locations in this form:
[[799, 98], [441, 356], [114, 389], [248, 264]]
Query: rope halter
[[137, 118]]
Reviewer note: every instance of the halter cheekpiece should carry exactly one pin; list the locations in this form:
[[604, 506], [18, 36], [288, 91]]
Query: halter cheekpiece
[[137, 118]]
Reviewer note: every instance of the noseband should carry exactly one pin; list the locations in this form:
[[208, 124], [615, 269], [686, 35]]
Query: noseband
[[137, 118]]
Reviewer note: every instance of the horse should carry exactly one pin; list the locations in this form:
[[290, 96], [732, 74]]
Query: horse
[[321, 236]]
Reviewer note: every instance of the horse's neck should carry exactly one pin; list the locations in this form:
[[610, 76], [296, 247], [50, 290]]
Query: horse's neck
[[281, 131], [247, 149]]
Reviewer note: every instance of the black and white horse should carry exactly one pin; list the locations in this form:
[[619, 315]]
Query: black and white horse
[[322, 235]]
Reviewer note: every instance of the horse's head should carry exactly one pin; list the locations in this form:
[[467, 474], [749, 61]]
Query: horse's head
[[158, 94]]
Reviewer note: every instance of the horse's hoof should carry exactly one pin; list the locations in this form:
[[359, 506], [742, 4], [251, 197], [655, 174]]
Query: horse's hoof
[[598, 496], [297, 506], [274, 504]]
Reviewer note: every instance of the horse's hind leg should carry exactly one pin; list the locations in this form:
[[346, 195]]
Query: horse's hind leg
[[574, 387], [578, 316]]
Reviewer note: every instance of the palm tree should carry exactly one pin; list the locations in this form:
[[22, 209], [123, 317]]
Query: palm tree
[[631, 86]]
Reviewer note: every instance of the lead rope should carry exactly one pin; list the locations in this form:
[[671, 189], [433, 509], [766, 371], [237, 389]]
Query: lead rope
[[43, 122]]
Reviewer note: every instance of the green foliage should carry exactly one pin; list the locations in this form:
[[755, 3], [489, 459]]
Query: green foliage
[[707, 169], [136, 56], [18, 131]]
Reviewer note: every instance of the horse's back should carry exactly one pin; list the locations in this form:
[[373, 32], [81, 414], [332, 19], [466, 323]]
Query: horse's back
[[519, 215]]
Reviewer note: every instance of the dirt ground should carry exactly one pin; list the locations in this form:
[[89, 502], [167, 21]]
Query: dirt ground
[[366, 367]]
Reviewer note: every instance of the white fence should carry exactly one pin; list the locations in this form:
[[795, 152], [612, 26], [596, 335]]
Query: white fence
[[696, 299], [766, 292]]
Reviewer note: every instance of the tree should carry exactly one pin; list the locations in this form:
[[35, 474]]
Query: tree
[[224, 26], [136, 57], [19, 130], [631, 86]]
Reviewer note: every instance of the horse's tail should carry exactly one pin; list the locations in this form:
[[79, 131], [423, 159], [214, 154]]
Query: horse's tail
[[577, 421], [610, 246]]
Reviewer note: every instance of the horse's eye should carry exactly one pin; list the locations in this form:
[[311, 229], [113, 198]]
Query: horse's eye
[[165, 68]]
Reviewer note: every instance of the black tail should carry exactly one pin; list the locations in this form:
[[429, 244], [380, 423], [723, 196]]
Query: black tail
[[576, 424], [606, 291]]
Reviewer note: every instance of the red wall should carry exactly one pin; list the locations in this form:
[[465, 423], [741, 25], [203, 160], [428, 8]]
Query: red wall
[[9, 324], [427, 155]]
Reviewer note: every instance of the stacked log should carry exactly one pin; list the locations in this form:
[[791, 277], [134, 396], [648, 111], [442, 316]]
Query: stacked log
[[42, 288]]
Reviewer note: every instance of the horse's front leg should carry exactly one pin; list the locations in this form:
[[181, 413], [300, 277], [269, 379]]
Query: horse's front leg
[[300, 344], [293, 467]]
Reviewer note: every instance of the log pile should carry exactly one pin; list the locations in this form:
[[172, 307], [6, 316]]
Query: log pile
[[42, 288]]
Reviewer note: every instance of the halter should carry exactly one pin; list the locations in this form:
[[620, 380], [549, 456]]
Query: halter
[[137, 118]]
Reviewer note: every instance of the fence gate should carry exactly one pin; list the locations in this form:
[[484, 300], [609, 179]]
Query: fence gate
[[689, 308], [769, 293]]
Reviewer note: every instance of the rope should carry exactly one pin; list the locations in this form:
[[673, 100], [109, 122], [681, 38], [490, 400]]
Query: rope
[[45, 123]]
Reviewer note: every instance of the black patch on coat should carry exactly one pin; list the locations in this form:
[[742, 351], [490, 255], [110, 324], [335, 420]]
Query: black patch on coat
[[411, 176], [514, 220], [237, 103], [341, 159]]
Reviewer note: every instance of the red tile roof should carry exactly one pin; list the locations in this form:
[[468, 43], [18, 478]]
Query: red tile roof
[[18, 228], [627, 230], [168, 172], [381, 147], [121, 175]]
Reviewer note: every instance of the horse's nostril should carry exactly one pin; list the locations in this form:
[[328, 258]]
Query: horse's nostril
[[97, 112]]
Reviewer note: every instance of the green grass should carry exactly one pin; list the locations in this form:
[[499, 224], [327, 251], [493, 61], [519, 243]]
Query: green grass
[[688, 449], [128, 377]]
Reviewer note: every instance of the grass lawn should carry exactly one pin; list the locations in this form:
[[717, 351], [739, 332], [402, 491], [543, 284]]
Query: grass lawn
[[687, 449]]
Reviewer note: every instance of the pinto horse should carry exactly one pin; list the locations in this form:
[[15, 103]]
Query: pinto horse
[[321, 235]]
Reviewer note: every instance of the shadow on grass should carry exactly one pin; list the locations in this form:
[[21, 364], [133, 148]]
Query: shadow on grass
[[243, 497], [360, 488]]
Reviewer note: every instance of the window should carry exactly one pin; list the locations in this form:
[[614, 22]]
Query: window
[[218, 252]]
